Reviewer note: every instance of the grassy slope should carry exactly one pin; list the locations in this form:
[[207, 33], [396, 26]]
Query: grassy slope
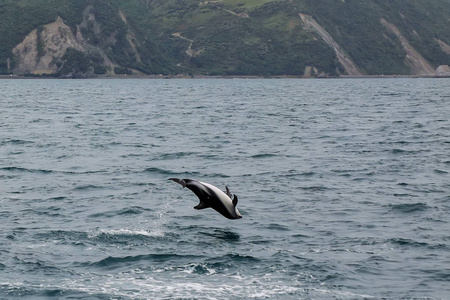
[[271, 41]]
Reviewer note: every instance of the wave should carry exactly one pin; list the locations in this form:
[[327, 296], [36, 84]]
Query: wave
[[399, 195], [57, 198], [315, 188], [33, 265], [223, 235], [278, 227], [198, 268], [62, 235], [134, 210], [27, 170], [232, 258], [176, 155], [293, 174], [15, 142], [160, 171], [46, 171], [125, 233], [263, 155], [88, 187], [401, 151], [409, 207], [20, 290], [113, 262], [52, 212], [103, 237], [407, 242], [167, 173], [124, 287], [440, 172]]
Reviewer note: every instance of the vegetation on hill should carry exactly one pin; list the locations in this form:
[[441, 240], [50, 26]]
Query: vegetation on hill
[[356, 25], [232, 37]]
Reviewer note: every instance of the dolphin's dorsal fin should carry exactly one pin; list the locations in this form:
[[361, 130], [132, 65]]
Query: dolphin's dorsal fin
[[228, 192], [235, 200], [201, 205]]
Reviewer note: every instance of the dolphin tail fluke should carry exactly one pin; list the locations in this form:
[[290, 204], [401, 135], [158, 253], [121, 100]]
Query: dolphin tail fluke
[[180, 181], [235, 200]]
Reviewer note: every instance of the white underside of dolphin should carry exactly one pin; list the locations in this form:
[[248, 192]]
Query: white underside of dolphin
[[211, 196]]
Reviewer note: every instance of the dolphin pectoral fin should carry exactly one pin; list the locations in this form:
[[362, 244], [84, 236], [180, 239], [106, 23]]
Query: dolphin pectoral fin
[[180, 181], [228, 192], [235, 200], [201, 205]]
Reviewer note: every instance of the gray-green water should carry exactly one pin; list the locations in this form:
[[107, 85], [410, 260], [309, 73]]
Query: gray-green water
[[343, 185]]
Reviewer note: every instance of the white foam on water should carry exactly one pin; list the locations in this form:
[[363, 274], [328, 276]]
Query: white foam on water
[[194, 268], [199, 287], [126, 232], [129, 286], [156, 233]]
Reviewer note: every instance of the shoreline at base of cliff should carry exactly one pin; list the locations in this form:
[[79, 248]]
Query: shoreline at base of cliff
[[223, 77]]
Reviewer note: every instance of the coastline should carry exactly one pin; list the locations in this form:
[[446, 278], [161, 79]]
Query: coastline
[[141, 76]]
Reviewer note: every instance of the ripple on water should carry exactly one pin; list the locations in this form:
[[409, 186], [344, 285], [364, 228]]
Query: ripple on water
[[408, 208]]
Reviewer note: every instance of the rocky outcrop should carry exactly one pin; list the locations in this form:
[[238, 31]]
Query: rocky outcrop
[[346, 62], [419, 65], [443, 71], [42, 49]]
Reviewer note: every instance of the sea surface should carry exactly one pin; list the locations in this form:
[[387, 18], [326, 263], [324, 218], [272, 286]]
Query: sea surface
[[343, 185]]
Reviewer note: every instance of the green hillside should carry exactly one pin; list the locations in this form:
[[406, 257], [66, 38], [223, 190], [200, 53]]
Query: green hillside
[[230, 37]]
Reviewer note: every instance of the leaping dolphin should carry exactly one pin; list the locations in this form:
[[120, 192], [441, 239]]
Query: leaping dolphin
[[211, 196]]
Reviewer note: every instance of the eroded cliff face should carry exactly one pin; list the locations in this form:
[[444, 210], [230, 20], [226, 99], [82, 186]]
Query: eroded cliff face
[[418, 64], [41, 50], [347, 63]]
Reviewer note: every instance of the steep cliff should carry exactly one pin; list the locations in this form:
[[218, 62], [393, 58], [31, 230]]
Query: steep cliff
[[56, 49], [42, 49], [347, 63], [419, 65]]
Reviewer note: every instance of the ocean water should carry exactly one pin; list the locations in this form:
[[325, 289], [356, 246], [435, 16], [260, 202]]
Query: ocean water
[[343, 185]]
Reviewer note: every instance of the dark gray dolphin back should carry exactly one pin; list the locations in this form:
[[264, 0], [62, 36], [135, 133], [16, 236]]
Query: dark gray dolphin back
[[203, 193]]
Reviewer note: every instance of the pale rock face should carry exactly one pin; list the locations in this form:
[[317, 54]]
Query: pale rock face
[[418, 64], [443, 71], [347, 63], [41, 49]]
